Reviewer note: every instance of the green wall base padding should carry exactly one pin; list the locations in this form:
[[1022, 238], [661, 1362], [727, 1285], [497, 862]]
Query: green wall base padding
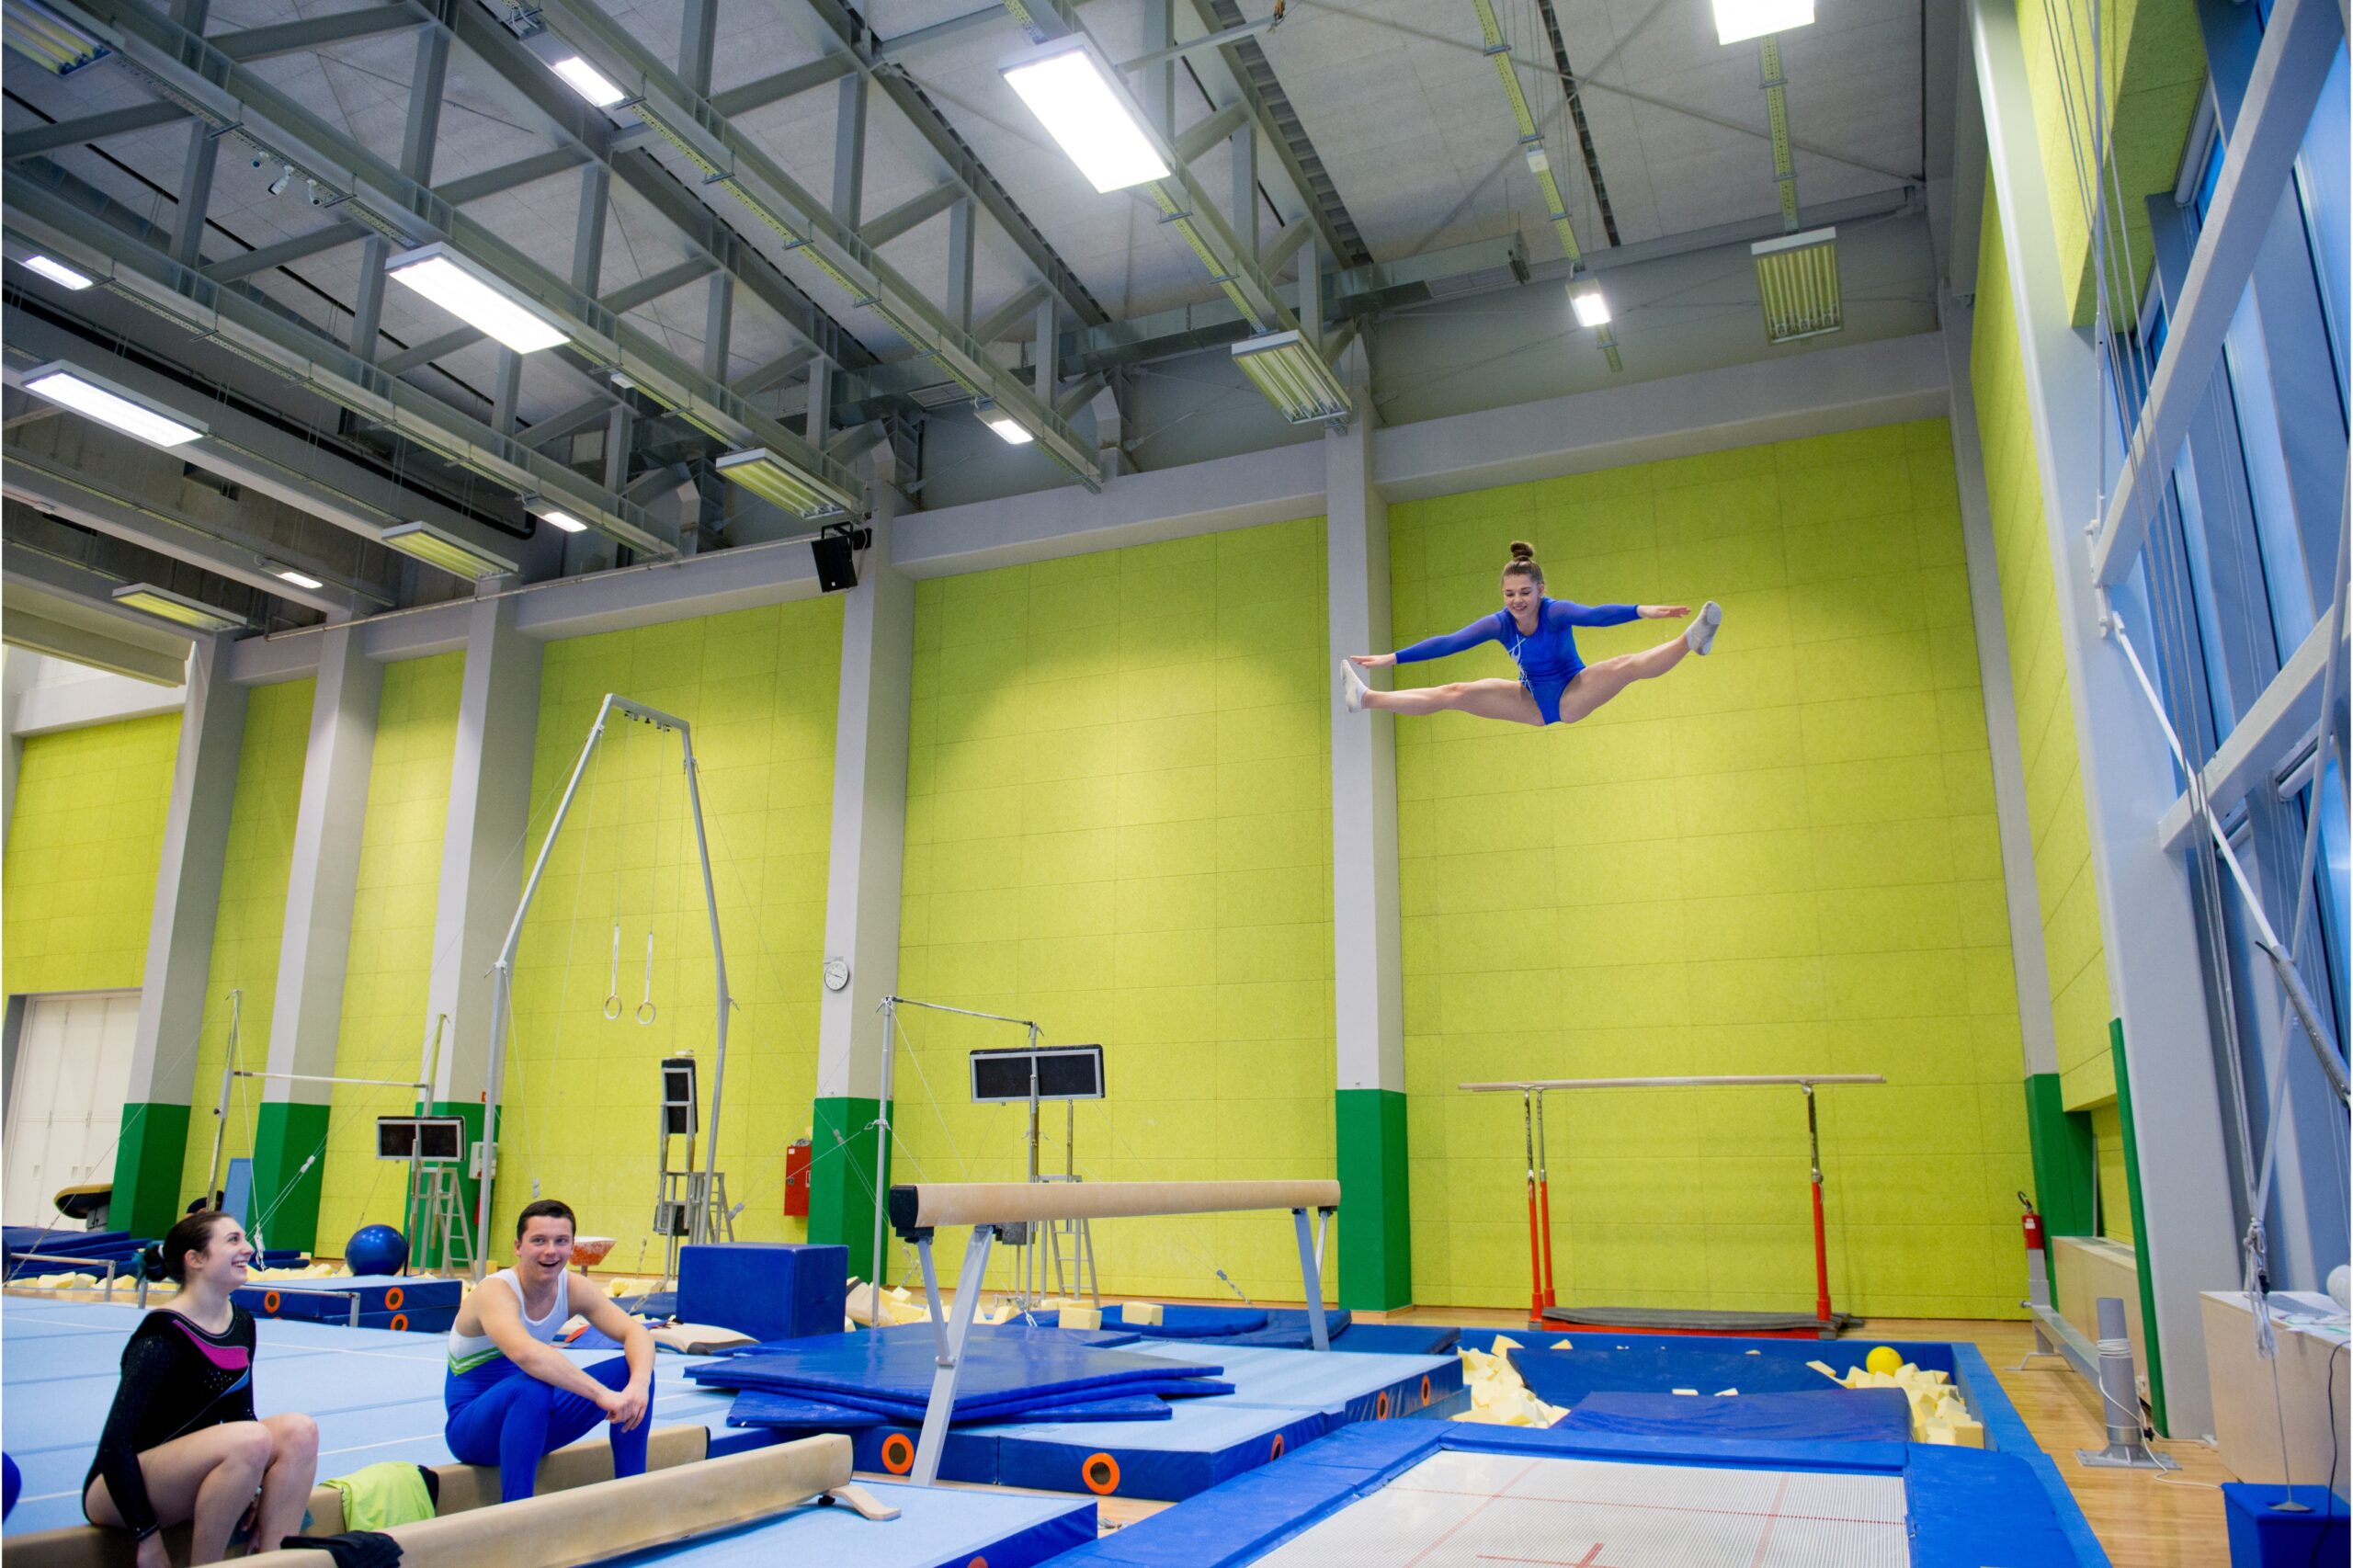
[[841, 1178], [290, 1166], [1376, 1218], [147, 1168], [2141, 1247]]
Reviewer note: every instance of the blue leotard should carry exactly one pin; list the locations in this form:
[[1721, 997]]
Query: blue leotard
[[1547, 658]]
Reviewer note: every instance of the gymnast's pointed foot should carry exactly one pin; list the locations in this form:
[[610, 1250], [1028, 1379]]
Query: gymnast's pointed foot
[[1701, 633], [1352, 688]]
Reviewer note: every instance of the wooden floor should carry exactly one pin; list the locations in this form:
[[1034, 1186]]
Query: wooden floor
[[2144, 1522]]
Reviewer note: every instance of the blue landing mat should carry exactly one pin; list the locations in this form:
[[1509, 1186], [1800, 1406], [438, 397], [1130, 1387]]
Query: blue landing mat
[[1867, 1415], [1967, 1507], [1004, 1373], [933, 1529], [755, 1408], [1566, 1378]]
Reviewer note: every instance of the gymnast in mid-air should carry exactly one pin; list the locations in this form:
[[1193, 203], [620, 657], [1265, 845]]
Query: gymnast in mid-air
[[1555, 687]]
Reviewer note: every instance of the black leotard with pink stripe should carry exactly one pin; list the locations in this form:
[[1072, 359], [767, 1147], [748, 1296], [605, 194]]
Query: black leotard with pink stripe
[[177, 1379]]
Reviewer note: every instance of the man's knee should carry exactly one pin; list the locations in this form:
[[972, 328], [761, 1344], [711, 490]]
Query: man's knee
[[613, 1372]]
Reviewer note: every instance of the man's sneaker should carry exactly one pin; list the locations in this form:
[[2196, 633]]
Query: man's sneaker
[[1352, 688], [1700, 635]]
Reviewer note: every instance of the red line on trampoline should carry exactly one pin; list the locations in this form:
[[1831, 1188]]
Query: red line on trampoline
[[1485, 1502], [1766, 1539], [1656, 1508]]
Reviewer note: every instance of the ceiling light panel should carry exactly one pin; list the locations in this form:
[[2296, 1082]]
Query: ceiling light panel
[[780, 483], [436, 547], [57, 272], [589, 81], [1009, 429], [1591, 308], [1797, 282], [95, 397], [165, 605], [40, 35], [1293, 376], [1739, 20], [1078, 98], [471, 293]]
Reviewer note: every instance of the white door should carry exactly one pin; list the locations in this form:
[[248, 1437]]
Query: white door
[[66, 1104]]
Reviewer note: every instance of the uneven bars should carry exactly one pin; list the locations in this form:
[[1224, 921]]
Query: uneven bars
[[1800, 1080]]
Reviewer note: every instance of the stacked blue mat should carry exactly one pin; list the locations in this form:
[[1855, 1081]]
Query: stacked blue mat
[[1277, 1328], [1010, 1373]]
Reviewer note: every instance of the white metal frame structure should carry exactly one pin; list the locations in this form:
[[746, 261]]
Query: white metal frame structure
[[503, 972]]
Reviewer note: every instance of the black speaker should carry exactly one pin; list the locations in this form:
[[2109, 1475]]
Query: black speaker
[[837, 557]]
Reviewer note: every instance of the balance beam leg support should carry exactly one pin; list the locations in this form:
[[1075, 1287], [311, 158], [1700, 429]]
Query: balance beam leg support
[[1313, 1278], [940, 1409]]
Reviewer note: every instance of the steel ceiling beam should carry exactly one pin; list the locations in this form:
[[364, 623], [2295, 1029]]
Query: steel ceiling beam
[[727, 156], [313, 33], [186, 67], [40, 139], [1254, 78]]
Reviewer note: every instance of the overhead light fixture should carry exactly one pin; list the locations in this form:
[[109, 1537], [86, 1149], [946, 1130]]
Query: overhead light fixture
[[563, 520], [165, 605], [299, 579], [1739, 20], [590, 82], [286, 177], [48, 39], [470, 293], [94, 397], [436, 547], [57, 272], [1078, 98], [1797, 279], [1009, 429], [1591, 308], [1293, 376], [777, 481]]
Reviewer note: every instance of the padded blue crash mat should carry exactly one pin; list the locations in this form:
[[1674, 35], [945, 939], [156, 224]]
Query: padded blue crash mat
[[1003, 1374], [1655, 1364], [755, 1407], [1867, 1415]]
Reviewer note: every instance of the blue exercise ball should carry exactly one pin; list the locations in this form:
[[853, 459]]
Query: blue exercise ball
[[376, 1249]]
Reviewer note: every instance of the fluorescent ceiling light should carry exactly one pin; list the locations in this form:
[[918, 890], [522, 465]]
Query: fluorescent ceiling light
[[777, 481], [165, 604], [57, 272], [1591, 308], [1739, 20], [447, 552], [1293, 376], [40, 35], [475, 297], [1797, 282], [1079, 100], [299, 579], [563, 520], [94, 397], [1010, 429], [590, 82]]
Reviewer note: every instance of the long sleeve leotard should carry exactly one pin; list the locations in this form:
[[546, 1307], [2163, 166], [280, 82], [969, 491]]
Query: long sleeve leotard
[[1548, 655], [177, 1379]]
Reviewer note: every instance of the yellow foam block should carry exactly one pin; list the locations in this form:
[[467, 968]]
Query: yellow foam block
[[1081, 1317], [1502, 1344], [1726, 1394], [1564, 1345], [1822, 1367], [1693, 1393], [1141, 1314]]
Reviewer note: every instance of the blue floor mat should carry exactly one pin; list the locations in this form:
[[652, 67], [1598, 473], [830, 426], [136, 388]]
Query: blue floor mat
[[755, 1407], [1003, 1374], [1395, 1339], [1864, 1415], [1655, 1364]]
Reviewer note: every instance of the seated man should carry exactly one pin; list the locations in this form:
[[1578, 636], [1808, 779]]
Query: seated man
[[513, 1397]]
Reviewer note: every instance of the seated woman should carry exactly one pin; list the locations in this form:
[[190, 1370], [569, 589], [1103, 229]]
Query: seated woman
[[513, 1397], [181, 1443]]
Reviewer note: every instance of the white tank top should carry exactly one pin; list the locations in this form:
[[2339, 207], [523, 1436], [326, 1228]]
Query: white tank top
[[468, 1351]]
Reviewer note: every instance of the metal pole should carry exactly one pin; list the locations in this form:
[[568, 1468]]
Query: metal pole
[[1544, 1198], [1821, 1244], [502, 983], [1318, 1333], [940, 1410], [701, 1225], [882, 1137], [220, 1116], [1535, 1256]]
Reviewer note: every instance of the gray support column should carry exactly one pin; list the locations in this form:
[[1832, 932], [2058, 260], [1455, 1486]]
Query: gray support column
[[482, 854], [959, 264], [307, 1017], [863, 886], [2030, 964], [179, 946], [1245, 215], [849, 150], [1368, 964], [718, 326], [2167, 1068]]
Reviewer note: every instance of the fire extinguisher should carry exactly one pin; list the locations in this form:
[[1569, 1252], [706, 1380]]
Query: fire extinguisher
[[2031, 1222], [796, 1179]]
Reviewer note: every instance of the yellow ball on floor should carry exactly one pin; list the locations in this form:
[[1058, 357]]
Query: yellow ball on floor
[[1882, 1359]]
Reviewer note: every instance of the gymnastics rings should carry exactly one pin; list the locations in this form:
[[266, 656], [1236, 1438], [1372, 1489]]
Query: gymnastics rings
[[645, 1008], [613, 985]]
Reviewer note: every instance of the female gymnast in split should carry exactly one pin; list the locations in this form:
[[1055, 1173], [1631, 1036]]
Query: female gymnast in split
[[1555, 687], [513, 1397], [181, 1443]]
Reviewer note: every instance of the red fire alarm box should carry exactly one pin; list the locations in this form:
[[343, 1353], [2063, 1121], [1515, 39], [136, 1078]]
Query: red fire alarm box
[[796, 1179]]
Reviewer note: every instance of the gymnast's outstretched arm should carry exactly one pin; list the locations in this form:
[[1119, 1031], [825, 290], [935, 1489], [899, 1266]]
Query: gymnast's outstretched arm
[[1486, 628]]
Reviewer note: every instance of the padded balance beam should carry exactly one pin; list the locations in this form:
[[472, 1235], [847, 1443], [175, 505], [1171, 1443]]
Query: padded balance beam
[[590, 1524], [985, 1206]]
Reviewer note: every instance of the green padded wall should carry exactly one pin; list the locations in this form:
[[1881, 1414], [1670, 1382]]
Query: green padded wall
[[248, 927], [1779, 859], [1119, 823], [84, 841], [2080, 1009], [391, 961], [759, 688]]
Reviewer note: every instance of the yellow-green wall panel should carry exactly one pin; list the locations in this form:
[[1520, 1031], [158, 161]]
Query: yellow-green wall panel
[[250, 922], [2064, 889], [1119, 824], [760, 688], [1779, 860], [391, 961], [84, 841]]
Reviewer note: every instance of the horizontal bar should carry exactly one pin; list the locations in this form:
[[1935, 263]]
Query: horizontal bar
[[962, 1011], [318, 1078], [1735, 1081], [928, 1204]]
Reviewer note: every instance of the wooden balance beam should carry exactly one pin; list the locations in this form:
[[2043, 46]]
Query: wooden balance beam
[[990, 1206]]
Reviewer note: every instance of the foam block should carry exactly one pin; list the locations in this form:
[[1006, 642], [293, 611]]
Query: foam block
[[1141, 1314], [1080, 1317], [764, 1290]]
